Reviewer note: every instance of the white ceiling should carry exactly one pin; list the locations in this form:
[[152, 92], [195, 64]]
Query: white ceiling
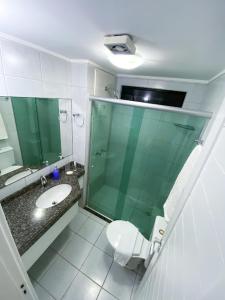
[[177, 38]]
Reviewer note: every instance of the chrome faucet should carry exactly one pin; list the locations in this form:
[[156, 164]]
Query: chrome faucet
[[43, 181]]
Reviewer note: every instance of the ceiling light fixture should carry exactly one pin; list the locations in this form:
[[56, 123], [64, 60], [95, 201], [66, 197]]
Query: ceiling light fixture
[[125, 61], [121, 51]]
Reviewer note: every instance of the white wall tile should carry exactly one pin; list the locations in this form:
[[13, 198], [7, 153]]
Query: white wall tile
[[3, 91], [66, 127], [79, 106], [55, 90], [102, 80], [1, 67], [219, 150], [80, 100], [21, 87], [19, 60], [55, 69], [214, 95], [79, 74]]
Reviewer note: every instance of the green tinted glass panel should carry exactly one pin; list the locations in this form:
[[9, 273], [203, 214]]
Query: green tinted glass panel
[[48, 120], [25, 113], [135, 157]]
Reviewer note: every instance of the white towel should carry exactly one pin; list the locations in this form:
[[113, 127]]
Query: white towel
[[125, 247]]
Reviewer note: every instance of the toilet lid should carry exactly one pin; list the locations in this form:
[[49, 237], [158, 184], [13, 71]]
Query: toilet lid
[[118, 230]]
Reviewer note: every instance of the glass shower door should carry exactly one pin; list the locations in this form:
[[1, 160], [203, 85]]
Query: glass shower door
[[135, 157]]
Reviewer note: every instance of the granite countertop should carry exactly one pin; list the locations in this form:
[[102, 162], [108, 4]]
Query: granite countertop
[[79, 170], [27, 222]]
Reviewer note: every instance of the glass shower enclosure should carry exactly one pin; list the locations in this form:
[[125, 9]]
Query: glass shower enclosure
[[135, 156]]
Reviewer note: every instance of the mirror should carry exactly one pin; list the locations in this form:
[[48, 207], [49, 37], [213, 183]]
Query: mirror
[[34, 132]]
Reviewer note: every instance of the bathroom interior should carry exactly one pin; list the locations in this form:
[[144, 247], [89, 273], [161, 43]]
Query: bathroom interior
[[112, 143]]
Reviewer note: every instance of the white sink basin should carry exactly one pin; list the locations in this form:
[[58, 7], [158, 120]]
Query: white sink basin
[[53, 196], [19, 176]]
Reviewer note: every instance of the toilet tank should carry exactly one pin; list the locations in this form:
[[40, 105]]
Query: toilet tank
[[6, 157]]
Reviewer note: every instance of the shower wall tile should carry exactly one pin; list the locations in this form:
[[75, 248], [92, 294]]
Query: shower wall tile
[[1, 66]]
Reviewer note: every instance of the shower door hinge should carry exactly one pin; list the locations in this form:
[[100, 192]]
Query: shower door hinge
[[199, 142]]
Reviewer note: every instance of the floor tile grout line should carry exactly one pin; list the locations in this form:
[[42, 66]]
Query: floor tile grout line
[[79, 226], [108, 272], [70, 261], [48, 269], [59, 254], [45, 289], [103, 251], [92, 279], [69, 286], [75, 233], [79, 270], [65, 244], [36, 282], [88, 240], [55, 253], [110, 293], [86, 257]]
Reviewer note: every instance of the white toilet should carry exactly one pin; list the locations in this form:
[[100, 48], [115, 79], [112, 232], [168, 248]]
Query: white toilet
[[131, 247]]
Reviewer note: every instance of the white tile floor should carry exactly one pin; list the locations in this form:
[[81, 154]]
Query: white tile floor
[[79, 265]]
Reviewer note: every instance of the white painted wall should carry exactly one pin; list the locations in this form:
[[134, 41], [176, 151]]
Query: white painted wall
[[192, 262], [87, 80], [195, 91], [80, 91], [215, 92]]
